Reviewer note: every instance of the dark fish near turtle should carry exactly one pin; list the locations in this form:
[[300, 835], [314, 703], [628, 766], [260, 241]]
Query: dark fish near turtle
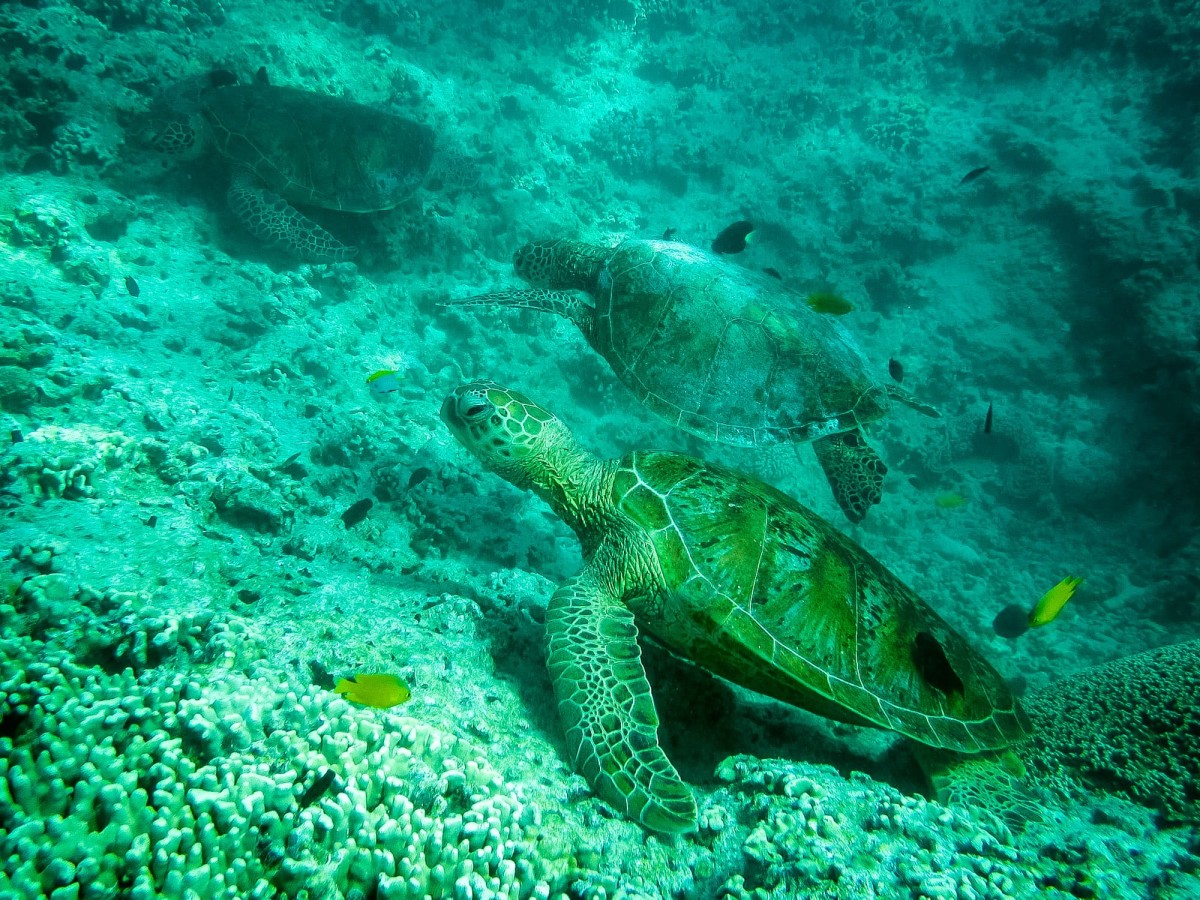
[[733, 239]]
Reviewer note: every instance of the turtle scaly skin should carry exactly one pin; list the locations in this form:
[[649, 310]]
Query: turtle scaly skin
[[723, 352], [735, 576]]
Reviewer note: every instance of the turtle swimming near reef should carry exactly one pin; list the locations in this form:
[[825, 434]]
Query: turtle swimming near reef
[[735, 576], [724, 352], [287, 146]]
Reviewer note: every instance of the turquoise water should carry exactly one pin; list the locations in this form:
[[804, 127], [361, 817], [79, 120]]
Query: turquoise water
[[188, 421]]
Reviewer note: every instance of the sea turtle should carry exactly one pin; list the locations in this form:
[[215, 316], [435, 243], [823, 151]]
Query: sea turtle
[[737, 577], [721, 351], [285, 146]]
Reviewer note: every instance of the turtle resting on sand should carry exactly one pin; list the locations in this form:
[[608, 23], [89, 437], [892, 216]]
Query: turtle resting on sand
[[735, 576], [728, 354], [287, 146]]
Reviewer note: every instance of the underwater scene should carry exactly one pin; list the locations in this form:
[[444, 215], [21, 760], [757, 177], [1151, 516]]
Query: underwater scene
[[641, 449]]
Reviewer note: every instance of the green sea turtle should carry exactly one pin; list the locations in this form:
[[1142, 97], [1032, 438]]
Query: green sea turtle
[[737, 577], [287, 146], [721, 351]]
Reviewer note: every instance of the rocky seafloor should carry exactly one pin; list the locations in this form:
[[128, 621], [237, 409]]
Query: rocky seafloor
[[180, 583]]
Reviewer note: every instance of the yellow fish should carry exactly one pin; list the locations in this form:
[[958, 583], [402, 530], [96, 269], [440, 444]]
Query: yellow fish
[[829, 303], [378, 690], [1047, 609], [949, 501]]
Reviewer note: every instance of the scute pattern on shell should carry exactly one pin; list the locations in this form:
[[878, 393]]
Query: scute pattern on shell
[[317, 150], [725, 352], [769, 595]]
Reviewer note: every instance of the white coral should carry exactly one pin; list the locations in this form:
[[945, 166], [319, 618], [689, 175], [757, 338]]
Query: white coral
[[58, 462]]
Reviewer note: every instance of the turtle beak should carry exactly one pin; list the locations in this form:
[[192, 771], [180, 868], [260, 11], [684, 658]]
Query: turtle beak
[[466, 405]]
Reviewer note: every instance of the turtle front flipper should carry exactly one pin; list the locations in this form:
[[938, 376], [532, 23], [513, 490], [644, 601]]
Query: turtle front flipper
[[271, 218], [900, 395], [854, 471], [567, 304], [606, 709]]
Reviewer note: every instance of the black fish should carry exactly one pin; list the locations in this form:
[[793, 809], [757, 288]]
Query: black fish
[[973, 174], [668, 234], [261, 77], [987, 421], [15, 436], [151, 522], [733, 238], [895, 370], [131, 285], [292, 467], [1011, 622], [317, 789], [231, 393], [774, 273], [357, 512], [287, 462], [320, 676], [220, 78], [418, 476]]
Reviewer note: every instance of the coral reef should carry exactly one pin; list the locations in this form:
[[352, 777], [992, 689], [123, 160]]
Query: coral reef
[[1127, 727], [204, 780], [57, 462], [184, 419]]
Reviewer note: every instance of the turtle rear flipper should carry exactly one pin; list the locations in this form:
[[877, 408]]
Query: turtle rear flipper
[[854, 471], [993, 781], [271, 218], [567, 304], [606, 710]]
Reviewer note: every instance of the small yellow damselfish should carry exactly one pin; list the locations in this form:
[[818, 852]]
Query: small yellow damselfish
[[949, 500], [1047, 609], [828, 302], [379, 690]]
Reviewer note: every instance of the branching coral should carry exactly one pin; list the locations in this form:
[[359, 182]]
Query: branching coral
[[164, 785]]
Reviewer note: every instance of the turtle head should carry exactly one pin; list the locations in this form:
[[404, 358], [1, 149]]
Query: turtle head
[[509, 433], [561, 265], [174, 125]]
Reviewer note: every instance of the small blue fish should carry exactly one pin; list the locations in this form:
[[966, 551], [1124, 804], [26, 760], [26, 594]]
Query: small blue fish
[[385, 381]]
